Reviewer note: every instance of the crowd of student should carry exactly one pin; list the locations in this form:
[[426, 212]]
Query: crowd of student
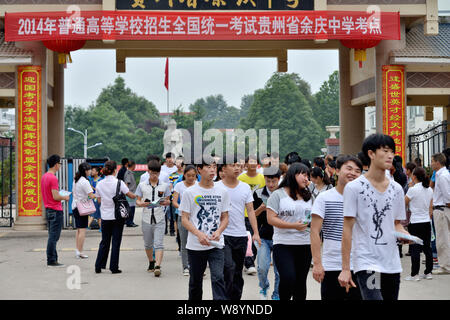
[[338, 215]]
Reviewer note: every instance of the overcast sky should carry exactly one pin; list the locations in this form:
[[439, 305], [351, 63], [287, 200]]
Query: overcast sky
[[190, 78]]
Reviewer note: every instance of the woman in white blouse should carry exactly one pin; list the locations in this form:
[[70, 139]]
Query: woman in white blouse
[[420, 201], [81, 191], [112, 228]]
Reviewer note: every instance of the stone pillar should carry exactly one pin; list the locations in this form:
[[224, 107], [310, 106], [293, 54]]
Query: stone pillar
[[25, 223], [56, 113], [351, 119]]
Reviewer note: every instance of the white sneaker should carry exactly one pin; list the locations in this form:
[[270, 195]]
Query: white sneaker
[[415, 278], [441, 271], [251, 271], [186, 272], [426, 276], [80, 255]]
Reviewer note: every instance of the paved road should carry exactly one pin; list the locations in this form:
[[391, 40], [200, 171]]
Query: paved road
[[24, 274]]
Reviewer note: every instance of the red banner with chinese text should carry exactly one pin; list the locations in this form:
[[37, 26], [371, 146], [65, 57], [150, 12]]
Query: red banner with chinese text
[[394, 106], [29, 140], [211, 25]]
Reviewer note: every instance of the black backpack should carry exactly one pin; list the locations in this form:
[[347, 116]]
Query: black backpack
[[121, 206]]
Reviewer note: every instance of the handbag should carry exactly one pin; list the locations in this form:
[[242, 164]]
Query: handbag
[[121, 206], [86, 207]]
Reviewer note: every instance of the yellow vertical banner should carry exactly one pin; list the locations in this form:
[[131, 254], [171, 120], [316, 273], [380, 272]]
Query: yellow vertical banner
[[29, 139], [394, 106]]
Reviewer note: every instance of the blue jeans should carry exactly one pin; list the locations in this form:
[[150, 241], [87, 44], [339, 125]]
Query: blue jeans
[[197, 265], [55, 221], [264, 259]]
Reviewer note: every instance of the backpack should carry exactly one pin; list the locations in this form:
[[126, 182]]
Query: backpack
[[121, 206]]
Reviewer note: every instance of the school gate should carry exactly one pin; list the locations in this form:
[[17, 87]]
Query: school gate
[[392, 53]]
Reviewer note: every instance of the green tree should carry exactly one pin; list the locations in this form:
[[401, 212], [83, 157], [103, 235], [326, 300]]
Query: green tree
[[327, 102], [123, 99], [281, 105]]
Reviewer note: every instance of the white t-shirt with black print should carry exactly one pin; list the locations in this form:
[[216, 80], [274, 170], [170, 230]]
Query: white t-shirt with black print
[[239, 197], [374, 245], [329, 205], [289, 210], [205, 207]]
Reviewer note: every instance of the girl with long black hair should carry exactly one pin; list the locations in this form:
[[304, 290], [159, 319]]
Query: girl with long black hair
[[288, 210], [81, 190]]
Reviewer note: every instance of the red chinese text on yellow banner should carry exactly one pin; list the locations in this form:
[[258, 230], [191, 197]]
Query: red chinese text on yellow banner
[[394, 108], [29, 140]]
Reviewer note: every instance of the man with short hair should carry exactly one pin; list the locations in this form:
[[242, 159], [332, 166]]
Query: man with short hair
[[255, 181], [148, 192], [123, 169], [441, 211], [328, 217], [374, 207], [264, 256], [130, 181], [53, 208], [241, 198], [204, 208], [168, 168]]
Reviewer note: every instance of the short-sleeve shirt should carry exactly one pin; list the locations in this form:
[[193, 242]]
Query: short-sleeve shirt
[[329, 205], [441, 195], [374, 245], [205, 207], [419, 204], [146, 191], [106, 190], [49, 182], [254, 183], [239, 197], [80, 191], [289, 210], [180, 188]]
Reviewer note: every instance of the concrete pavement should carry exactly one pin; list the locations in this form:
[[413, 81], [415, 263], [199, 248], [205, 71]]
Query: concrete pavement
[[25, 275]]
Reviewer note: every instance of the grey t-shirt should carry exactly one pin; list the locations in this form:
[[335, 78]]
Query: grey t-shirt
[[291, 211]]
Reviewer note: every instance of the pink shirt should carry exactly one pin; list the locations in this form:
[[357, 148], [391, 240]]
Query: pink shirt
[[49, 182]]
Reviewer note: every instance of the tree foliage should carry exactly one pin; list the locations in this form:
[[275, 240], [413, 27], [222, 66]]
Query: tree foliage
[[281, 105]]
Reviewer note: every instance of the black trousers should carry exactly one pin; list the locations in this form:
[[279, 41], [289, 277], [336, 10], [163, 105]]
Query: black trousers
[[197, 266], [111, 232], [331, 290], [234, 255], [423, 231], [293, 263], [378, 286]]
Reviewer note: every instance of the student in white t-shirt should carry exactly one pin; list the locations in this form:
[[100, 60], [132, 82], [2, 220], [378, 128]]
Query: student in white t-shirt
[[189, 179], [153, 219], [204, 209], [236, 240], [374, 206], [289, 211], [419, 198], [328, 217], [81, 191]]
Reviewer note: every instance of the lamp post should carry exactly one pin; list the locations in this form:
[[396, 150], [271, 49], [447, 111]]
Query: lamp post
[[85, 147]]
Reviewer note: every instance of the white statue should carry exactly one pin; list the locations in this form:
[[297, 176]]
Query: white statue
[[173, 139]]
